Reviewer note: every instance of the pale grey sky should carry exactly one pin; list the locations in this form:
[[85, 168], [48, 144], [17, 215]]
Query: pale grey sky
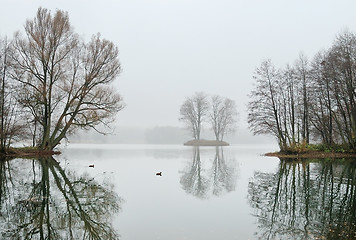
[[170, 49]]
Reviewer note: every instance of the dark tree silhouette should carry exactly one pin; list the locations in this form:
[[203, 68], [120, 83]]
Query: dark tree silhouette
[[305, 200], [223, 174], [193, 180], [201, 181], [44, 201]]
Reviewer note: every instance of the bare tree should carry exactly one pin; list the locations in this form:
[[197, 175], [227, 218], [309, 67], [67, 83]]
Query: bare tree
[[342, 62], [193, 112], [266, 105], [11, 123], [289, 106], [3, 65], [321, 99], [316, 98], [65, 81], [223, 116], [303, 75]]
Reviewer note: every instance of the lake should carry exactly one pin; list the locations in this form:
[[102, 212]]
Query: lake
[[204, 193]]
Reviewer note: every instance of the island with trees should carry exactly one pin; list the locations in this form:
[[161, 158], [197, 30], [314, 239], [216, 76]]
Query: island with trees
[[310, 106], [220, 112], [53, 83]]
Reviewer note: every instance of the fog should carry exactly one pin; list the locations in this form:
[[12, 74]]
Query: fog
[[171, 49], [162, 135]]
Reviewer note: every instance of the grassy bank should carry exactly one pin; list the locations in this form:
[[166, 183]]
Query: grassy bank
[[27, 152], [315, 151]]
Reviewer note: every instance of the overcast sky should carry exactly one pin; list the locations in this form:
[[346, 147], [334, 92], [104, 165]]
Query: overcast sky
[[170, 49]]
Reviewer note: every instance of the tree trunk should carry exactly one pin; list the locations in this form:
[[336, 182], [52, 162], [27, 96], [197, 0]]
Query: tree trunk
[[2, 107]]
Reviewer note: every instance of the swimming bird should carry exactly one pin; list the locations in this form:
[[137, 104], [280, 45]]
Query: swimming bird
[[91, 165], [159, 174]]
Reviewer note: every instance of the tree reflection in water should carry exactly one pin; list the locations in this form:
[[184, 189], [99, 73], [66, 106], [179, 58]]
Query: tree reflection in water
[[41, 200], [305, 200], [200, 183]]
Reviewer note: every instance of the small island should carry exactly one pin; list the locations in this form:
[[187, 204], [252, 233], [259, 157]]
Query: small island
[[203, 142], [219, 111]]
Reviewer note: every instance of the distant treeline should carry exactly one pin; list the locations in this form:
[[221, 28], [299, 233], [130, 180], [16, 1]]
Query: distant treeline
[[310, 100]]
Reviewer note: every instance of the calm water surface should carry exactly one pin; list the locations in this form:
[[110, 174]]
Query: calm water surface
[[203, 193]]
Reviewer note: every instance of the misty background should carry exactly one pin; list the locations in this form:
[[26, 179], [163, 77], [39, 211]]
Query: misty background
[[171, 49]]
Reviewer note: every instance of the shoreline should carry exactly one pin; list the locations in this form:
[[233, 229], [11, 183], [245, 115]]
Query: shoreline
[[310, 155], [28, 153]]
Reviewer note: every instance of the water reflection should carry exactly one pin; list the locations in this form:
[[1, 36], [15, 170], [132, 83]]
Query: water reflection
[[41, 200], [306, 200], [202, 180]]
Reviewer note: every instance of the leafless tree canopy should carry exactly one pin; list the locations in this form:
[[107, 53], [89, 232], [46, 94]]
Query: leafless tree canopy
[[223, 116], [64, 81], [309, 99], [194, 111], [220, 112], [12, 124]]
